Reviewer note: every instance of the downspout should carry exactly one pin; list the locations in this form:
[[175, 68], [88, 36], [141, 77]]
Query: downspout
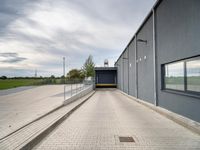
[[154, 58], [123, 70], [128, 68], [122, 80], [136, 69]]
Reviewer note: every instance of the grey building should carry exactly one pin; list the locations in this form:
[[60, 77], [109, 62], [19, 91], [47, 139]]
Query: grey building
[[161, 63]]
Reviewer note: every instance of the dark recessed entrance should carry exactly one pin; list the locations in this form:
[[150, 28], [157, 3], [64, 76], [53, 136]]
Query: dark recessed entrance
[[106, 77]]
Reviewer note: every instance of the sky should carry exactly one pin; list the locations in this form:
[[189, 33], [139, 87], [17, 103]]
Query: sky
[[37, 34]]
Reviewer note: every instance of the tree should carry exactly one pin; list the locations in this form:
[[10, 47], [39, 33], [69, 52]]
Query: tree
[[88, 67], [74, 74], [52, 77], [62, 77], [82, 74], [3, 77]]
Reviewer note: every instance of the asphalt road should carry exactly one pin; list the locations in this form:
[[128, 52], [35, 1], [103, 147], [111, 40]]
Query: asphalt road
[[15, 90]]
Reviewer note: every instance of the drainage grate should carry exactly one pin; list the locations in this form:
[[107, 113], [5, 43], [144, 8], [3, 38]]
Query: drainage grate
[[126, 139]]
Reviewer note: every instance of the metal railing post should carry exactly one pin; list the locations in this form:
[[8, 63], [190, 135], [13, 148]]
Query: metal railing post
[[76, 87], [64, 92], [71, 89]]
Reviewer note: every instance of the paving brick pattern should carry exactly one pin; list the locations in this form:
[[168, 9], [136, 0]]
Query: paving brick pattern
[[22, 107], [26, 134], [98, 123]]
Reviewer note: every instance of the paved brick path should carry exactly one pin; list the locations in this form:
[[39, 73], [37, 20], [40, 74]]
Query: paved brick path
[[20, 108], [109, 114], [25, 135]]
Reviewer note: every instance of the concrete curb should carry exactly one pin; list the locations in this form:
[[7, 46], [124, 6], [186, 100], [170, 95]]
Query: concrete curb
[[181, 120], [37, 138]]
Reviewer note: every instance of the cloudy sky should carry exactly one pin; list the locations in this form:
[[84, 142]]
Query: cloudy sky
[[36, 34]]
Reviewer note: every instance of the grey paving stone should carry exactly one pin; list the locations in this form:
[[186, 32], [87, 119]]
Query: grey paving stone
[[108, 115], [28, 133], [20, 108]]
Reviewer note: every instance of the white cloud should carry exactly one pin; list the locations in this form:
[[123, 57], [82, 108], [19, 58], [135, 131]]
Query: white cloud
[[48, 30]]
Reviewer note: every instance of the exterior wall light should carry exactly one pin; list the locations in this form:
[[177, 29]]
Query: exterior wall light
[[141, 40]]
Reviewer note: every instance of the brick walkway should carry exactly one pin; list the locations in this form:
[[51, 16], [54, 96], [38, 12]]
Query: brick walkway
[[25, 135], [20, 108], [109, 114]]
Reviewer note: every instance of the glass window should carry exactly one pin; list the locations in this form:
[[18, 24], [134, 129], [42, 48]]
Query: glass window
[[174, 76], [193, 75]]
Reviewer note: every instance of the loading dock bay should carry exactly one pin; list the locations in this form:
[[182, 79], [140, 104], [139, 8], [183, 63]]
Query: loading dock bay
[[106, 77]]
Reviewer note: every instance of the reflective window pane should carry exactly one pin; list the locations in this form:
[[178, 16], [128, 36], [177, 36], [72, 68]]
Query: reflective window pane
[[193, 75], [174, 76]]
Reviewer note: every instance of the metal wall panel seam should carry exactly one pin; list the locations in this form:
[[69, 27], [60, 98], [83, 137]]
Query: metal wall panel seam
[[154, 59], [136, 74], [128, 69]]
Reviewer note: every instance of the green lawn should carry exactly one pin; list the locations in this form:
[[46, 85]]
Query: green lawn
[[194, 80], [12, 83]]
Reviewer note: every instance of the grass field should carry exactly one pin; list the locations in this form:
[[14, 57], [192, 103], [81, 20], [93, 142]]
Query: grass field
[[12, 83]]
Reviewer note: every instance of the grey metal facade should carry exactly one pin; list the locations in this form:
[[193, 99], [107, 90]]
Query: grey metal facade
[[182, 31], [145, 62], [125, 72], [132, 73], [170, 32], [121, 74]]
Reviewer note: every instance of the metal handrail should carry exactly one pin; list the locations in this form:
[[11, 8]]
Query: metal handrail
[[79, 86]]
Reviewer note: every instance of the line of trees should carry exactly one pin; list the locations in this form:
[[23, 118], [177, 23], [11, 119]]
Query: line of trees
[[3, 77]]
